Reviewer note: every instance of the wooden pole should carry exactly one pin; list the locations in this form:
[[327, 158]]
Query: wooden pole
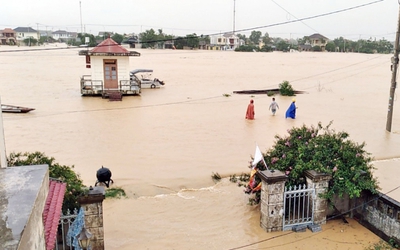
[[395, 63]]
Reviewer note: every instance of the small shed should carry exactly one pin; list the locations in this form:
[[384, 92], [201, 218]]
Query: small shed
[[109, 64]]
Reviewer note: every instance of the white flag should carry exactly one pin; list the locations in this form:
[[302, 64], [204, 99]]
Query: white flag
[[257, 157]]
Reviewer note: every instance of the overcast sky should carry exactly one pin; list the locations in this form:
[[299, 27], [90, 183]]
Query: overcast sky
[[181, 17]]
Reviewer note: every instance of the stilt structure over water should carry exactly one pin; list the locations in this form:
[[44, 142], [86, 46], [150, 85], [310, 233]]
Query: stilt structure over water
[[109, 64]]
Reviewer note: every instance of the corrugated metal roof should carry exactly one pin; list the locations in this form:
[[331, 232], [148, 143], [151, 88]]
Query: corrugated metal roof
[[109, 46], [52, 212]]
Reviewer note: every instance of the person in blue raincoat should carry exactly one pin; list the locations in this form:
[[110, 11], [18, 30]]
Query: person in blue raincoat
[[291, 111]]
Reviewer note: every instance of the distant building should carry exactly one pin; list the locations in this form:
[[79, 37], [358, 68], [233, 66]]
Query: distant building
[[47, 33], [304, 47], [318, 40], [8, 37], [105, 34], [62, 35], [23, 33], [227, 41]]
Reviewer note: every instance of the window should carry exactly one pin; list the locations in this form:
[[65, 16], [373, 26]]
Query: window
[[390, 211]]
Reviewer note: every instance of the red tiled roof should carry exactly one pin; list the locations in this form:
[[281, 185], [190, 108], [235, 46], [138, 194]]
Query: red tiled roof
[[8, 30], [52, 212], [109, 46]]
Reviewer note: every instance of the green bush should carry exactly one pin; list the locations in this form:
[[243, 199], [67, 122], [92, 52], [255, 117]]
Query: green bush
[[323, 150], [316, 48], [247, 48], [286, 89], [115, 193], [61, 172]]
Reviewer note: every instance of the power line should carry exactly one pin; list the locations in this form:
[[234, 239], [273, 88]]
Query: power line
[[311, 17], [294, 16], [249, 29]]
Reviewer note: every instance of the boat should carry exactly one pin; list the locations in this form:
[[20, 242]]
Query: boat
[[15, 109], [146, 79]]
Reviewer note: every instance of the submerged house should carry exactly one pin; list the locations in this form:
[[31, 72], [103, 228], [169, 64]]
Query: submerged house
[[109, 64]]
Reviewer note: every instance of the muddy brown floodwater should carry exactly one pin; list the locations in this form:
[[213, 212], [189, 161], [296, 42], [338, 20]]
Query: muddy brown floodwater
[[163, 146]]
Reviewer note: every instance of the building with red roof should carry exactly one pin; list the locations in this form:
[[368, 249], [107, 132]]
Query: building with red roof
[[109, 70]]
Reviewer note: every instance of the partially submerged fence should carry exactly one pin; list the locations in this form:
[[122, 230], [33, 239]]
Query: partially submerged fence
[[298, 206], [63, 226], [283, 209]]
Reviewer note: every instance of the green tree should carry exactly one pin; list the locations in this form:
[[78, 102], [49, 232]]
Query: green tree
[[118, 38], [266, 39], [324, 150], [282, 46], [61, 172], [330, 46], [192, 40], [303, 41], [92, 39], [247, 48], [316, 48], [384, 46], [148, 38], [266, 48], [30, 41], [255, 37]]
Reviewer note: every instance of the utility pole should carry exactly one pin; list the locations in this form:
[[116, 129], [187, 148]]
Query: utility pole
[[234, 15], [80, 10], [395, 63]]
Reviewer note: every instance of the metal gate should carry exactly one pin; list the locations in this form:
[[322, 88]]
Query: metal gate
[[63, 226], [298, 204]]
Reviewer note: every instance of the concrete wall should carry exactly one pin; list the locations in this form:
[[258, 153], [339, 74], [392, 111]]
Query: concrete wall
[[92, 204], [380, 214], [23, 193], [33, 236]]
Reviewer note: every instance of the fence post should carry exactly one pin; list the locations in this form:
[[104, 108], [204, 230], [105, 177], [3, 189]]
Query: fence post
[[320, 181], [92, 204], [272, 193]]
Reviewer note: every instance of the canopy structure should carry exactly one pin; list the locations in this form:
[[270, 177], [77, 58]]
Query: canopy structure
[[135, 71]]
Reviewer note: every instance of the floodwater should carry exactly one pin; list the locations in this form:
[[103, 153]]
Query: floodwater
[[163, 146]]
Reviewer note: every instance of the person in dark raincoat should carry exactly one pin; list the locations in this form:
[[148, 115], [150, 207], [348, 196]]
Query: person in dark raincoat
[[291, 112]]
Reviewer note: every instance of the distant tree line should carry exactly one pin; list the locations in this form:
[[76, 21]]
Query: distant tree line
[[255, 42], [340, 44]]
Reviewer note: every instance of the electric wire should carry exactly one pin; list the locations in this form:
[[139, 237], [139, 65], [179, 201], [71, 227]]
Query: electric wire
[[247, 29], [295, 16], [192, 101]]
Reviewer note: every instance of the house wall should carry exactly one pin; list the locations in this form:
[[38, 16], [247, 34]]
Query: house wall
[[33, 236], [97, 67], [23, 35]]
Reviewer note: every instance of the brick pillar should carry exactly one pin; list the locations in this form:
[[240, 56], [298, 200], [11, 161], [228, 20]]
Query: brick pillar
[[92, 204], [320, 181], [272, 193]]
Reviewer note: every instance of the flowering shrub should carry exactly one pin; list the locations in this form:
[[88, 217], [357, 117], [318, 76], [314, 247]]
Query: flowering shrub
[[323, 150]]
